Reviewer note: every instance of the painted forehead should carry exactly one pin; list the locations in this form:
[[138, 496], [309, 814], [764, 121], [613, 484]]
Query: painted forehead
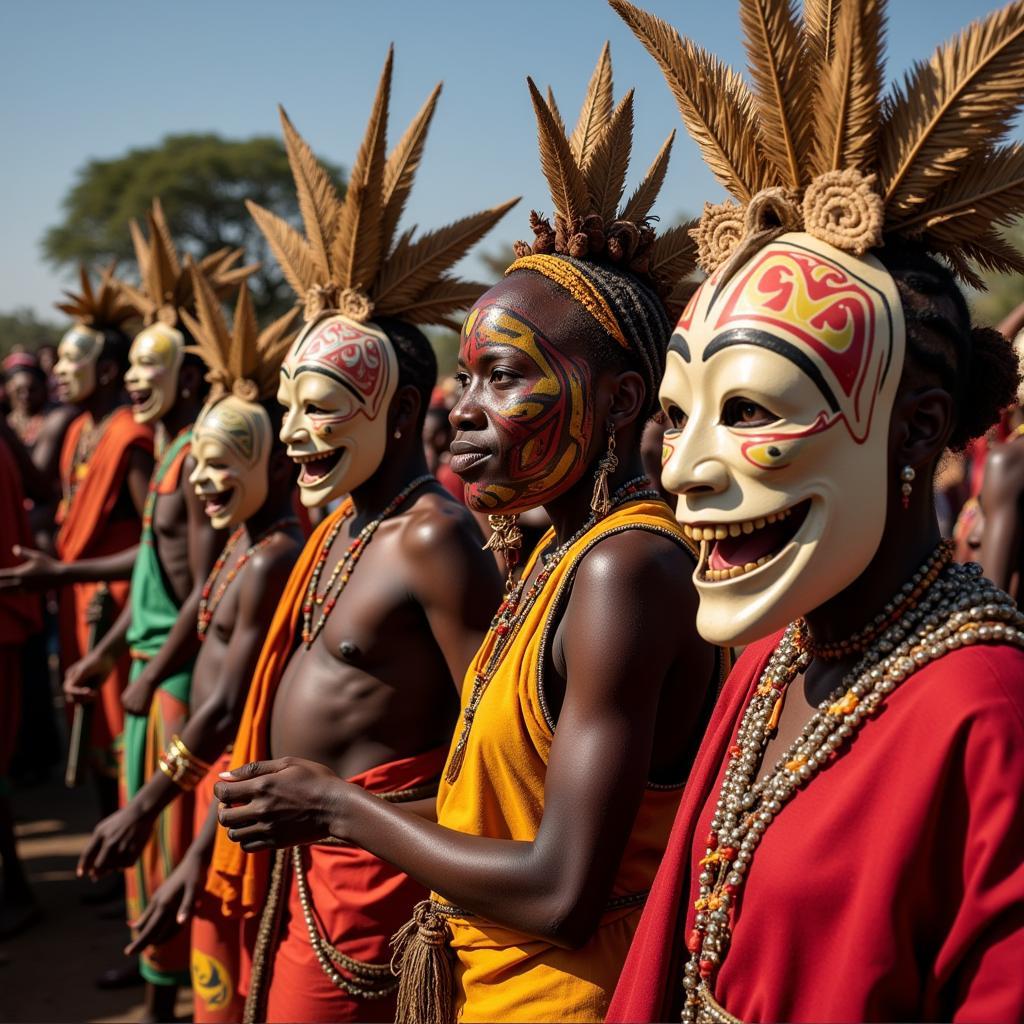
[[240, 425], [496, 324], [160, 340], [360, 360], [835, 322], [81, 342]]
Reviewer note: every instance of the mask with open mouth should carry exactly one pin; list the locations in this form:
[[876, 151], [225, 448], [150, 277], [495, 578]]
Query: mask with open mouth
[[779, 386], [155, 360], [337, 383], [77, 356], [231, 445]]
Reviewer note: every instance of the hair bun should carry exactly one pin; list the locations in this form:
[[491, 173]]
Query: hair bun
[[991, 383]]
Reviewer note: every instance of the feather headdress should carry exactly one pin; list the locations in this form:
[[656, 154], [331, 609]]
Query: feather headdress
[[165, 284], [242, 360], [101, 307], [586, 173], [349, 260], [812, 143]]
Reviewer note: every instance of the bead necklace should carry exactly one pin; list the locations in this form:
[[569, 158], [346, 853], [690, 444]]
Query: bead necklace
[[85, 447], [959, 608], [345, 565], [207, 605], [513, 611], [907, 597]]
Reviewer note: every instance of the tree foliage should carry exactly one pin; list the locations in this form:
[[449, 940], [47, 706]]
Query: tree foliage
[[203, 181], [1005, 292], [21, 329]]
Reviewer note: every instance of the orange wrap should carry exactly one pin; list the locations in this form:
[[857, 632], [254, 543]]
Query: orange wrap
[[86, 531], [239, 879]]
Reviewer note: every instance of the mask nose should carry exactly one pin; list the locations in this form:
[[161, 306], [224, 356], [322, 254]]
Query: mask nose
[[291, 431], [693, 466]]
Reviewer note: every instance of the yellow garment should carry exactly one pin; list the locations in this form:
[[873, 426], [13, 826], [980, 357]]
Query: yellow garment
[[503, 975]]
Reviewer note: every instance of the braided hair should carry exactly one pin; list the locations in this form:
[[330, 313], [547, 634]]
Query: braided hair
[[642, 316], [976, 365]]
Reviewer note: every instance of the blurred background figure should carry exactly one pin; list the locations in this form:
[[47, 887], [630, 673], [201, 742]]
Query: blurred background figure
[[437, 436]]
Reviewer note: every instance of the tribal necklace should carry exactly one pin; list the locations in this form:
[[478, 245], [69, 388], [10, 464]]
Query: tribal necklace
[[208, 605], [85, 447], [513, 612], [346, 564], [957, 608]]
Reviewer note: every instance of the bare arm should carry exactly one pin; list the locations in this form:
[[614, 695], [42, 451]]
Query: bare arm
[[140, 469], [558, 885], [1001, 501], [47, 449]]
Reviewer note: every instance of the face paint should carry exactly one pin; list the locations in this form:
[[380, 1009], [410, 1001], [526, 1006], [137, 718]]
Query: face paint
[[538, 405], [154, 360], [231, 445], [779, 386], [337, 383], [75, 369]]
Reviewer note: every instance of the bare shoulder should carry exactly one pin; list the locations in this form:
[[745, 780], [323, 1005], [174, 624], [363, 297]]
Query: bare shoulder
[[651, 565], [437, 522], [274, 558], [60, 418]]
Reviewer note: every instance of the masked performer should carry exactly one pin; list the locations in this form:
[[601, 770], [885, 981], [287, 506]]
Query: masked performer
[[565, 770], [849, 846], [177, 549], [392, 594], [246, 481]]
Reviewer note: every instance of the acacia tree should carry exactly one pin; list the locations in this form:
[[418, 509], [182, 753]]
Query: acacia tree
[[203, 181]]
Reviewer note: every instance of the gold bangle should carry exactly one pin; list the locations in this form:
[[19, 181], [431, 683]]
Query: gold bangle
[[182, 767]]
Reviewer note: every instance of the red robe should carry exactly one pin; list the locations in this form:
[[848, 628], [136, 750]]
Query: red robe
[[891, 888]]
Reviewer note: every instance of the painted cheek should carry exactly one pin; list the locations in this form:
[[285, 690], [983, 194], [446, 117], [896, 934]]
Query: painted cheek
[[779, 449]]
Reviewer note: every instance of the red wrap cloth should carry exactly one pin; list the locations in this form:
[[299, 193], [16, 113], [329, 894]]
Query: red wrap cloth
[[891, 888], [20, 611], [87, 531]]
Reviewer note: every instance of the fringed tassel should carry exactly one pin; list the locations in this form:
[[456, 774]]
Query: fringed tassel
[[422, 959], [601, 501]]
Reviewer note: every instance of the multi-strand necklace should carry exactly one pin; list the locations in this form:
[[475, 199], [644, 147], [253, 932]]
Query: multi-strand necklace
[[208, 604], [958, 608], [343, 569], [513, 612], [85, 447]]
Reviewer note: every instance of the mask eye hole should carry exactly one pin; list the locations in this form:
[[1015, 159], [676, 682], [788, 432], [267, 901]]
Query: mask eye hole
[[676, 417], [744, 412]]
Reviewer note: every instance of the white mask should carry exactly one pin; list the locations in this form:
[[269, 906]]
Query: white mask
[[337, 383], [75, 369], [231, 446], [154, 360], [786, 377]]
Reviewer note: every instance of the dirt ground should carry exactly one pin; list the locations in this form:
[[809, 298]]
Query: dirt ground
[[47, 972]]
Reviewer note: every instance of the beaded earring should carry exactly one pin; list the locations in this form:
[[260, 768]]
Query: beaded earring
[[907, 475], [601, 502]]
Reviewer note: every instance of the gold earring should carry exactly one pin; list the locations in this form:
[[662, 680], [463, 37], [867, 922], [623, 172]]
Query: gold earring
[[907, 475], [600, 502], [506, 539]]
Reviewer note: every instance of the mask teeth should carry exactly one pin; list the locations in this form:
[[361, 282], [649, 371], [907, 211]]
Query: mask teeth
[[313, 457], [717, 575], [722, 530]]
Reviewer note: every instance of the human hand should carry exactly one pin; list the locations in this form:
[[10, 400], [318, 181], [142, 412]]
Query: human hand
[[272, 804], [36, 571], [84, 678], [116, 842], [138, 694], [171, 906]]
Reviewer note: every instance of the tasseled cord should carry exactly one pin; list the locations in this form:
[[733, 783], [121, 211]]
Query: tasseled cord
[[423, 960]]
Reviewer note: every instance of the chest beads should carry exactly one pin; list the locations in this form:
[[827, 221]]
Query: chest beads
[[326, 599], [944, 607], [514, 610]]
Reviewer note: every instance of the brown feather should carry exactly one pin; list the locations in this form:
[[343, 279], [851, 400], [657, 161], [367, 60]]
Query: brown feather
[[821, 18], [964, 98], [414, 266], [774, 55], [445, 296], [215, 337], [595, 112], [243, 357], [990, 252], [555, 112], [357, 252], [400, 169], [846, 121], [989, 192], [642, 200], [715, 104], [138, 298], [675, 253], [140, 245], [290, 248], [318, 199], [609, 162], [163, 233], [565, 179]]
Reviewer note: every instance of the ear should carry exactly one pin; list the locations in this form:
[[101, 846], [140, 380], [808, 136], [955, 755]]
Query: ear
[[190, 377], [405, 411], [281, 471], [108, 371], [922, 421], [629, 395]]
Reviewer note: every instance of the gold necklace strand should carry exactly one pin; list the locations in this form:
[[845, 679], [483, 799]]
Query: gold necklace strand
[[513, 611], [908, 596], [959, 609], [345, 565]]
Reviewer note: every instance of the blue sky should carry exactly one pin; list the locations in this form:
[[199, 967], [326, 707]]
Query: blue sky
[[83, 80]]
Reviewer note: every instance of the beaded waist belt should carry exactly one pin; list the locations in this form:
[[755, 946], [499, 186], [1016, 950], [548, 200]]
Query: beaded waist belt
[[354, 977]]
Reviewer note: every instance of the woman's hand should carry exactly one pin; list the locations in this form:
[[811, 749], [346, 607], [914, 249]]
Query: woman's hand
[[84, 678], [116, 842], [171, 906], [138, 694], [287, 802], [38, 571]]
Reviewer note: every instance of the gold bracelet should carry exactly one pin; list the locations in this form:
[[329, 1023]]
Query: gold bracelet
[[181, 766]]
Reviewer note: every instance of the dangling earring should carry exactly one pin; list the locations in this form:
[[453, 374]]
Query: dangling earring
[[506, 539], [398, 434], [186, 392], [601, 503], [907, 475]]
